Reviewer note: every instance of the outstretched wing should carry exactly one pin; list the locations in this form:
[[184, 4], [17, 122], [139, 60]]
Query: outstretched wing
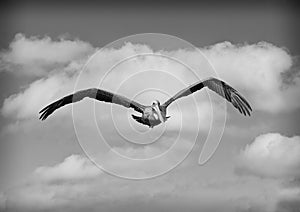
[[221, 88], [94, 93]]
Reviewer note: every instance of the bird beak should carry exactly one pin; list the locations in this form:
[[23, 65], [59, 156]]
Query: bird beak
[[156, 108]]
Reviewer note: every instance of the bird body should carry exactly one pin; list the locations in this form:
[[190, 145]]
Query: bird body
[[156, 113], [152, 115]]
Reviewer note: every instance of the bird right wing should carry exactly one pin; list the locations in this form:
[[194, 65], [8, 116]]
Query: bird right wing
[[221, 88], [94, 93]]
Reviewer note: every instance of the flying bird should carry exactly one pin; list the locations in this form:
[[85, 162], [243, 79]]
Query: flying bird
[[156, 113]]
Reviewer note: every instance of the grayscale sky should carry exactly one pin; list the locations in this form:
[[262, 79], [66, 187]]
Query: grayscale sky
[[253, 47]]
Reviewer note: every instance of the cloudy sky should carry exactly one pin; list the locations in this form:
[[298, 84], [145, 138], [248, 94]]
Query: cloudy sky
[[46, 166]]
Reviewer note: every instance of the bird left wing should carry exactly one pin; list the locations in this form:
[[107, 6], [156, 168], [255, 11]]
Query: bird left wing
[[94, 93], [221, 88]]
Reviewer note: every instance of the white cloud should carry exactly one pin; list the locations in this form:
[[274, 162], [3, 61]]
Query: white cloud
[[255, 70], [26, 104], [74, 167], [289, 200], [36, 56], [271, 155], [171, 192]]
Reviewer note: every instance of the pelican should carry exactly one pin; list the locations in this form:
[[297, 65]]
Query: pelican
[[156, 113]]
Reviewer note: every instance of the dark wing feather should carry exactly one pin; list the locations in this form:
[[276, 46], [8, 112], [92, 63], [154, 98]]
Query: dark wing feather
[[221, 88], [94, 93], [142, 120]]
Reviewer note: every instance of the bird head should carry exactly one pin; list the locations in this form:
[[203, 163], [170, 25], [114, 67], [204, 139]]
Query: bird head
[[156, 102]]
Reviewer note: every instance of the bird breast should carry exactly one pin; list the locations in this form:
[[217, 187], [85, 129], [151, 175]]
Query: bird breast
[[150, 114]]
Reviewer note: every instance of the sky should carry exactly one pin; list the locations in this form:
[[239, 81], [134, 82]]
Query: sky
[[49, 50]]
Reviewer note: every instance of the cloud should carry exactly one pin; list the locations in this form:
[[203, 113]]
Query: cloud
[[34, 56], [172, 192], [289, 200], [41, 92], [265, 74], [258, 70], [74, 167], [26, 104], [271, 155]]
